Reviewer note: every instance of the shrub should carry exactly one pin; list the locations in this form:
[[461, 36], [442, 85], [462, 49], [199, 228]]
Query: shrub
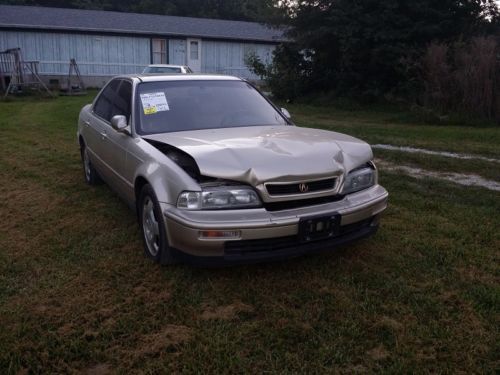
[[463, 78], [288, 74]]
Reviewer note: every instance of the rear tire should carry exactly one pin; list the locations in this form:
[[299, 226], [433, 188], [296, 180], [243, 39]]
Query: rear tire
[[152, 226], [91, 175]]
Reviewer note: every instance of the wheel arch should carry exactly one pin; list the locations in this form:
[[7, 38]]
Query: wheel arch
[[81, 141], [139, 183]]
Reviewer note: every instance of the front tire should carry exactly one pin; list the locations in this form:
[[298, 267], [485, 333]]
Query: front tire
[[152, 226]]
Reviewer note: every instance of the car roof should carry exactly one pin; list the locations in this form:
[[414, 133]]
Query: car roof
[[165, 66], [180, 77]]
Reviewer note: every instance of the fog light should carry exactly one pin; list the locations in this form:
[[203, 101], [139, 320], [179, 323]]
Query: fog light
[[219, 234]]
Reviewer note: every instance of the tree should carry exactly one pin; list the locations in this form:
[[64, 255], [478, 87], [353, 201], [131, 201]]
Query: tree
[[367, 46]]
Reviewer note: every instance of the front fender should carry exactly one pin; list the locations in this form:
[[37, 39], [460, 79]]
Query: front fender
[[166, 178]]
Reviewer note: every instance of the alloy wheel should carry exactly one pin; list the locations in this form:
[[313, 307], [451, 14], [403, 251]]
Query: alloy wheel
[[150, 227]]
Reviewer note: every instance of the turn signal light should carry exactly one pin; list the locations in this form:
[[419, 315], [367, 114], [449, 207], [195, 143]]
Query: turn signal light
[[217, 234]]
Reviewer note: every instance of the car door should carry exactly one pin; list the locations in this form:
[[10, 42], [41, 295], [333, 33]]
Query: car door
[[116, 144], [96, 127]]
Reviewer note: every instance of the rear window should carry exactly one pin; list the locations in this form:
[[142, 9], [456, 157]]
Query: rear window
[[173, 106]]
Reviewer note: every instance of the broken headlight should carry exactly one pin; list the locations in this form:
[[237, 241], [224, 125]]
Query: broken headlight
[[219, 198]]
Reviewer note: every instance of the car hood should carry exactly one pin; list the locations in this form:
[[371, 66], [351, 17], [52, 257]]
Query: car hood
[[259, 154]]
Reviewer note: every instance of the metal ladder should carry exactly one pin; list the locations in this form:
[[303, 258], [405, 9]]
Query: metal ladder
[[74, 71]]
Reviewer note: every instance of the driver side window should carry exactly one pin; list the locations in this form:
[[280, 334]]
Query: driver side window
[[115, 100], [104, 105], [123, 100]]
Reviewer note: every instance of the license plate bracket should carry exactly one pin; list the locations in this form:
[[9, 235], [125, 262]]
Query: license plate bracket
[[321, 227]]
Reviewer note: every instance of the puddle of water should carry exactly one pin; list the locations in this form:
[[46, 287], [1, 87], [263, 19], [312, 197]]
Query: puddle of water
[[438, 153], [458, 178]]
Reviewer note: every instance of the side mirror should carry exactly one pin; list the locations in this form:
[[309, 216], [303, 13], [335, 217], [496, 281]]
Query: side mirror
[[119, 123], [286, 113]]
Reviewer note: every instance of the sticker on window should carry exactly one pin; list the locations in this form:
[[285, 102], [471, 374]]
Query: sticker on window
[[154, 102]]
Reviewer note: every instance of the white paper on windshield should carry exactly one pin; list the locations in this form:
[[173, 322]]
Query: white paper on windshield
[[153, 102]]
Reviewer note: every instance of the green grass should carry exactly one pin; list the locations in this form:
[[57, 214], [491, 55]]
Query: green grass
[[400, 129], [76, 293]]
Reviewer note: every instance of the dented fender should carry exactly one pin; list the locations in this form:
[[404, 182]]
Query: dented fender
[[164, 175]]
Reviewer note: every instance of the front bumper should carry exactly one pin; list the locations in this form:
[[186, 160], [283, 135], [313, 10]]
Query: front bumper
[[269, 235]]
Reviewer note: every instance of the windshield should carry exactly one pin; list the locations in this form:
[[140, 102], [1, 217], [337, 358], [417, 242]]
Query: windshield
[[162, 69], [172, 106]]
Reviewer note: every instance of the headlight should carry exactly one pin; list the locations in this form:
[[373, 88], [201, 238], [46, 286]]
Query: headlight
[[359, 179], [218, 198]]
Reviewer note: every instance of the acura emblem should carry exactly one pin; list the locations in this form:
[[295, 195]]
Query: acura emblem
[[303, 188]]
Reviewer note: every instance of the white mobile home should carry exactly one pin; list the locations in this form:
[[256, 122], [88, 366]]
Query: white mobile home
[[105, 43]]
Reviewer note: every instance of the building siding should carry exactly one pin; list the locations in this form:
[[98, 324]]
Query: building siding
[[108, 55], [177, 51], [229, 57], [96, 55], [221, 57]]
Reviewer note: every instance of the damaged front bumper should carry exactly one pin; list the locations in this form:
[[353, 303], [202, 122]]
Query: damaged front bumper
[[266, 235]]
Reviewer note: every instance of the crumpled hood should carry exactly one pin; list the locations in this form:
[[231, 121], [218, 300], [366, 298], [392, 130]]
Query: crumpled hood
[[269, 153]]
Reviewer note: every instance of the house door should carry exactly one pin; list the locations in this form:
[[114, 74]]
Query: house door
[[194, 54]]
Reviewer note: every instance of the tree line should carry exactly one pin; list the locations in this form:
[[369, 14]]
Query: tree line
[[441, 56], [241, 10]]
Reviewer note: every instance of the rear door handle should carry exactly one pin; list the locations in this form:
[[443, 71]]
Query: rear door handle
[[86, 123]]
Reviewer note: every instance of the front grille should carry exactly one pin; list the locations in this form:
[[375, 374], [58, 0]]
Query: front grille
[[282, 243], [294, 188], [290, 205]]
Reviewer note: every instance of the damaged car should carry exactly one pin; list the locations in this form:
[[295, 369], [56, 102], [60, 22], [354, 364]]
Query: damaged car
[[217, 174]]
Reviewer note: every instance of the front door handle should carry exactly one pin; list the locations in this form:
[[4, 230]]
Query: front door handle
[[86, 123], [104, 136]]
